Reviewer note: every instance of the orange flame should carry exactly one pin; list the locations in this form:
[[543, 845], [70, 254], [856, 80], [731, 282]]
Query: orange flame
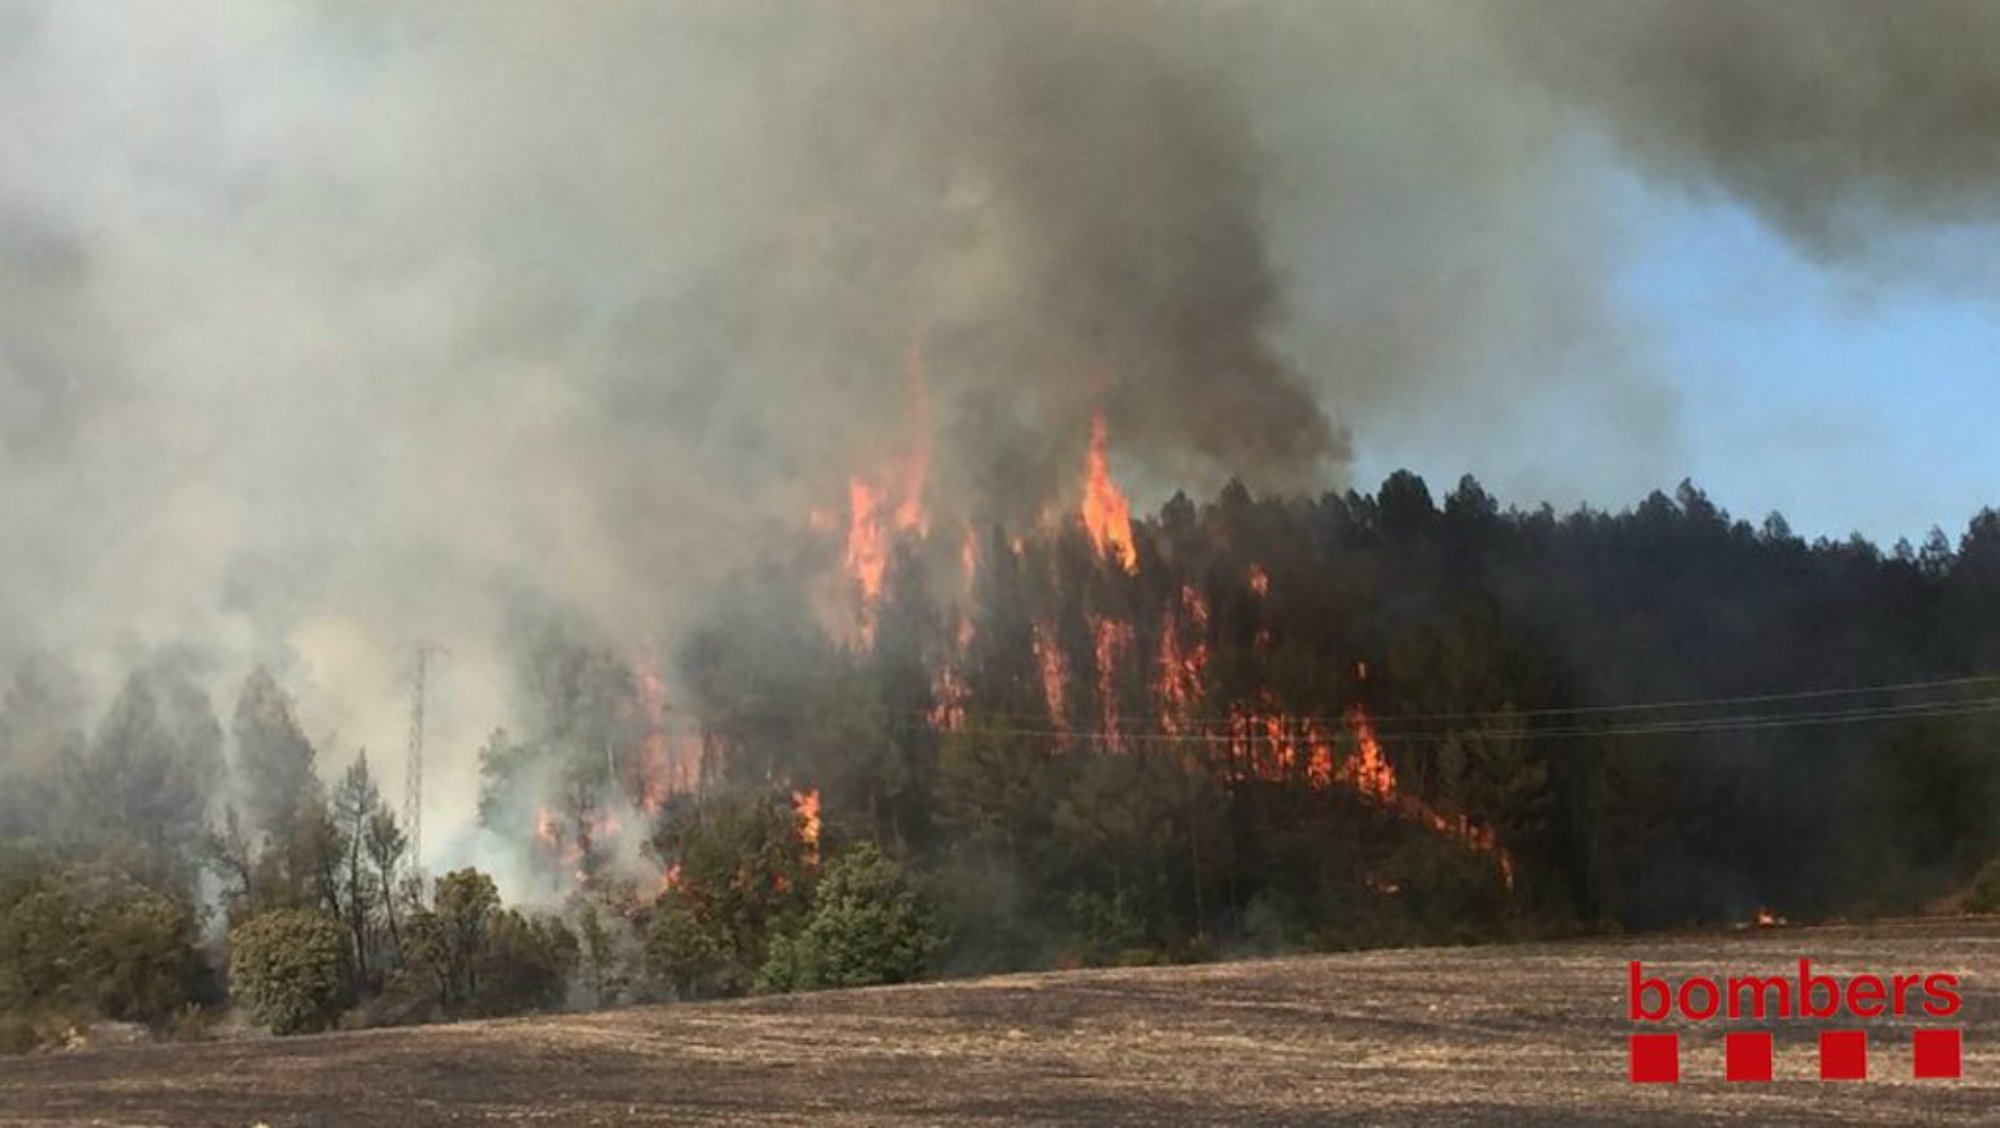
[[916, 468], [1273, 746], [1260, 581], [867, 553], [1183, 660], [561, 851], [1107, 516], [1112, 638], [873, 514], [666, 765], [1265, 743], [950, 692], [655, 755], [949, 695], [806, 805], [1370, 772], [1055, 674]]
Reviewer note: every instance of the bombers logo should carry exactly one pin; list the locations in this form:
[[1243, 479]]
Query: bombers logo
[[1747, 1054]]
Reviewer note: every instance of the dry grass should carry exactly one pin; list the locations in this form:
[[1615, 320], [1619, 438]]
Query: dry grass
[[1527, 1034]]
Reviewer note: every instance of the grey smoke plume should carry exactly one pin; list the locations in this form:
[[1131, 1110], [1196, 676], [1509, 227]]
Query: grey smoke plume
[[328, 326], [1833, 120]]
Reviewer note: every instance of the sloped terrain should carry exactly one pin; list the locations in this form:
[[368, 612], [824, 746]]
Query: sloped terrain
[[1522, 1034]]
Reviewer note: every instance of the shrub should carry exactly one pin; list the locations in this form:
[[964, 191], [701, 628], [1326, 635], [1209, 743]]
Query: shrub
[[867, 926], [90, 941], [17, 1034], [288, 966], [143, 962], [524, 964], [685, 953], [1104, 928], [744, 875], [1985, 896]]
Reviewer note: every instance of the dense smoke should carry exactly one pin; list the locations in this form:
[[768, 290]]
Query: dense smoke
[[326, 327], [1833, 120]]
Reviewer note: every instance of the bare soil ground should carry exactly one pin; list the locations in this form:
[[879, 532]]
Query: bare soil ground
[[1531, 1034]]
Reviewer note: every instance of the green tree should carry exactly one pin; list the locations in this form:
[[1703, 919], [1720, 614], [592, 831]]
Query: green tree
[[356, 808], [744, 875], [288, 965], [385, 844], [40, 733], [145, 779], [599, 954], [93, 940], [285, 803], [867, 926], [139, 948], [524, 963], [686, 953], [273, 759], [449, 937]]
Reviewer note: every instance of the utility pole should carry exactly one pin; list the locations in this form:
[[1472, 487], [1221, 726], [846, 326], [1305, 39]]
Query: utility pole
[[413, 763]]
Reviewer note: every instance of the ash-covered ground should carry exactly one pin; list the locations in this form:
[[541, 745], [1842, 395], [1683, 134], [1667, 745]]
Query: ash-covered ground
[[1506, 1034]]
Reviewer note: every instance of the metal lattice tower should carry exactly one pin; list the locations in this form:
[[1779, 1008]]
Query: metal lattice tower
[[413, 763]]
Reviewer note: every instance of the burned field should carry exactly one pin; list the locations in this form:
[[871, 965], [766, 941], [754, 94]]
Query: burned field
[[1508, 1034]]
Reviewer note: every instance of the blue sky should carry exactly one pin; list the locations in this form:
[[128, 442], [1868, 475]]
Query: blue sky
[[1847, 396], [1850, 394]]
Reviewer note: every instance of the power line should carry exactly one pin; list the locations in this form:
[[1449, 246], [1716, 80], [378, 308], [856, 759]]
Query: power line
[[1379, 720], [1253, 728], [1294, 730], [1706, 702]]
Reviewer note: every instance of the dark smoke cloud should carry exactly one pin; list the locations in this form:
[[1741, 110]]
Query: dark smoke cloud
[[1063, 215], [328, 326], [1832, 120]]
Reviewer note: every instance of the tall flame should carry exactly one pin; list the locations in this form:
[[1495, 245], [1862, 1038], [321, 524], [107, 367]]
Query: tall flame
[[1183, 660], [916, 467], [1368, 770], [806, 805], [1111, 639], [1107, 516], [1054, 669], [867, 550], [874, 515], [666, 766]]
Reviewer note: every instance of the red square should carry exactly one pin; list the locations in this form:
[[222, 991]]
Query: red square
[[1936, 1052], [1747, 1055], [1843, 1055], [1656, 1058]]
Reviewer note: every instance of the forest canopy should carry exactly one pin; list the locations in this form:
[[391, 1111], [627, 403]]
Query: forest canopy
[[1249, 724]]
